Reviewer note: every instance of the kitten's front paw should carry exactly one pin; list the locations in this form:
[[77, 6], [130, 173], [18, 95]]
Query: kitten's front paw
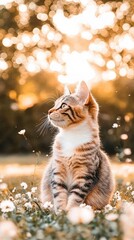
[[67, 208], [58, 211]]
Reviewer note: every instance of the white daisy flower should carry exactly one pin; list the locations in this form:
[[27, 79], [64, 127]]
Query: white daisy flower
[[124, 136], [28, 205], [18, 195], [48, 205], [111, 216], [7, 206], [127, 220], [29, 235], [78, 215], [108, 208], [3, 186], [127, 151], [103, 238], [116, 194], [132, 193], [29, 194], [24, 185], [129, 188], [8, 230], [83, 205], [33, 189]]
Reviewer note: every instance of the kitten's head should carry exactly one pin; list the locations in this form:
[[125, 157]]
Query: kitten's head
[[71, 109]]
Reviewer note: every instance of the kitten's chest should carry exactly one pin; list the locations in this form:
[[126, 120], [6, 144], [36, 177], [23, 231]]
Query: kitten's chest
[[69, 175], [68, 142], [68, 148]]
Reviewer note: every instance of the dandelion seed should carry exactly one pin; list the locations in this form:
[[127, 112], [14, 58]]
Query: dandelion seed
[[8, 230], [48, 205], [22, 132], [28, 205], [78, 215], [115, 125], [24, 185], [7, 206]]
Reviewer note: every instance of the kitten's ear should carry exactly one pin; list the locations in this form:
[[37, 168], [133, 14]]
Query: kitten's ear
[[82, 91], [66, 90]]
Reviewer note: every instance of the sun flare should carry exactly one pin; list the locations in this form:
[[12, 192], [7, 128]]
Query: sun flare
[[92, 41]]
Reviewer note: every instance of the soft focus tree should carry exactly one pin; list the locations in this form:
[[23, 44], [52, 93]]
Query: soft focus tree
[[116, 116], [80, 39], [44, 41]]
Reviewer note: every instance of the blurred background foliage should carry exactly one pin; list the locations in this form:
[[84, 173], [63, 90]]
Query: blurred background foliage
[[46, 44]]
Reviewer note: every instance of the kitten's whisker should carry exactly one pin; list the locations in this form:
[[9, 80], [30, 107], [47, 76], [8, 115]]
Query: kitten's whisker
[[44, 126], [41, 127], [53, 97], [50, 100]]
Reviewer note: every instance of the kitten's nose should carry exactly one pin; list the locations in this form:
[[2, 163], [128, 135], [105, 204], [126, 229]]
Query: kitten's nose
[[51, 110]]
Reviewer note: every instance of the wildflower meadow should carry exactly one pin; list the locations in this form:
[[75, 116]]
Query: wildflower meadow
[[44, 46], [22, 215]]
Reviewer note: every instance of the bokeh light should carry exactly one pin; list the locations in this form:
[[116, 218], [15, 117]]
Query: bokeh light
[[78, 40]]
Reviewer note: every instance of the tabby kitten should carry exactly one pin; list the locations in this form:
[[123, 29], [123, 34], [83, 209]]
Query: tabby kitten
[[79, 171]]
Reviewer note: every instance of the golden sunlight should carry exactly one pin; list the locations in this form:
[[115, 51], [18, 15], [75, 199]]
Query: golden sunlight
[[5, 2], [95, 43], [77, 68], [26, 101]]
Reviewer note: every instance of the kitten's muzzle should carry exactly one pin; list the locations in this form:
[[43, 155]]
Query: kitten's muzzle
[[51, 111], [53, 116]]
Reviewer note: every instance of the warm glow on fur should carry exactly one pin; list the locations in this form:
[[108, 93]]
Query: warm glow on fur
[[75, 108], [79, 171]]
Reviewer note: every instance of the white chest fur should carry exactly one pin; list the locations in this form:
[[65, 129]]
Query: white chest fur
[[72, 138]]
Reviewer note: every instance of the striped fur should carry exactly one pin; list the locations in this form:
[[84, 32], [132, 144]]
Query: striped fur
[[79, 171]]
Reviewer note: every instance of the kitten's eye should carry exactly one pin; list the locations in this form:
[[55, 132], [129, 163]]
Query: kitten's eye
[[63, 105]]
